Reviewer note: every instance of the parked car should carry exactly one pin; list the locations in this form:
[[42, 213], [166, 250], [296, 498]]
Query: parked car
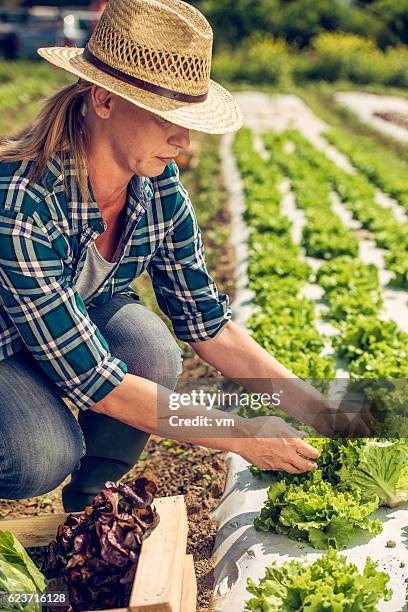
[[45, 27], [78, 26], [42, 28], [10, 25]]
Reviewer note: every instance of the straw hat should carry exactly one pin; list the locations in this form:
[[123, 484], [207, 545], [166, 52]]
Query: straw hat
[[157, 55]]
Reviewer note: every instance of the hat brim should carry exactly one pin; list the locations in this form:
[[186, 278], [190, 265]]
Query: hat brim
[[218, 114]]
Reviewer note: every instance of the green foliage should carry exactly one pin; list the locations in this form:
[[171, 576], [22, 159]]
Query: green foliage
[[379, 468], [389, 173], [298, 22], [18, 573], [329, 583], [385, 170], [333, 56], [324, 236], [328, 464], [265, 58], [23, 85], [351, 288], [358, 194], [260, 59], [337, 56], [393, 17], [317, 512], [373, 347]]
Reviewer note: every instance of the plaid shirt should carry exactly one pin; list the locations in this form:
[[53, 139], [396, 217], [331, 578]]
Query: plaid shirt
[[45, 229]]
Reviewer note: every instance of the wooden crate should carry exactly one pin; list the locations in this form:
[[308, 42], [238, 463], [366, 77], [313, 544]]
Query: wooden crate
[[165, 580]]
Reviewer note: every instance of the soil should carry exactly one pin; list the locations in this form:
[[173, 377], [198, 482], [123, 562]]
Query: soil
[[197, 473], [366, 106], [396, 118]]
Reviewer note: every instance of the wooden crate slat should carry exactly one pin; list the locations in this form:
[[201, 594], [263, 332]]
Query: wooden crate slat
[[34, 530], [189, 589], [159, 577]]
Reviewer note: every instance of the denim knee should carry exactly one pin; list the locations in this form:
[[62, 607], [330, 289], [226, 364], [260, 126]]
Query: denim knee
[[141, 339], [37, 463], [39, 470], [159, 360]]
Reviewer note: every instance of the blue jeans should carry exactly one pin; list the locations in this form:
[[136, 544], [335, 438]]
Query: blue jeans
[[41, 441]]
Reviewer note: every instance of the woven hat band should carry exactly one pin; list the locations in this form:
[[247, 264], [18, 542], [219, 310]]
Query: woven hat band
[[131, 80]]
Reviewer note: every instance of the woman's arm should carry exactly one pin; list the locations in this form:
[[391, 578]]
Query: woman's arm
[[267, 442], [47, 311], [238, 357]]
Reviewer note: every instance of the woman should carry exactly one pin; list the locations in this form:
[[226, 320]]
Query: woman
[[89, 198]]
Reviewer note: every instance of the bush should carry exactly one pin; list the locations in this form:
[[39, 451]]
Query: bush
[[262, 59], [339, 56], [335, 55], [267, 59]]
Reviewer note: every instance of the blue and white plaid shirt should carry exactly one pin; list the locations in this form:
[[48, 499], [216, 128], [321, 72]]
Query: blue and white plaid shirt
[[45, 229]]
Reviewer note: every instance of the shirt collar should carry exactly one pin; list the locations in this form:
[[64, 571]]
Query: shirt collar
[[82, 213]]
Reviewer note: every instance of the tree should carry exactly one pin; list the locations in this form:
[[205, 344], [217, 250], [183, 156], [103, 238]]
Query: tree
[[394, 19]]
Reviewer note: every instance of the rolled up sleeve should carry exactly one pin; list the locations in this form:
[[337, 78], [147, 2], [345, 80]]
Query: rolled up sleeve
[[50, 315], [184, 290]]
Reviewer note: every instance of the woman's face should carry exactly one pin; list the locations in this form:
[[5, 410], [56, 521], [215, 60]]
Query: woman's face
[[140, 142]]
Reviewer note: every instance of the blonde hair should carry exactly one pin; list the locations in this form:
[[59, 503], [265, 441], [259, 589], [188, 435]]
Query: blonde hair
[[57, 128]]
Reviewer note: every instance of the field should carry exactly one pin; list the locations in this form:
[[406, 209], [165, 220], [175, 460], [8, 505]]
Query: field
[[304, 215], [324, 252]]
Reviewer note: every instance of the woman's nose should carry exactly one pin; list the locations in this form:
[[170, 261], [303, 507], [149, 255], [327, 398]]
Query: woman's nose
[[182, 138]]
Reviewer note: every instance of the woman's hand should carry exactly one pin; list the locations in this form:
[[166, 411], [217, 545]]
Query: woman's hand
[[272, 444]]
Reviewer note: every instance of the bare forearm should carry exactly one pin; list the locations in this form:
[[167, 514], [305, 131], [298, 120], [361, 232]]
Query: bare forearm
[[237, 356], [234, 353], [268, 444], [142, 404]]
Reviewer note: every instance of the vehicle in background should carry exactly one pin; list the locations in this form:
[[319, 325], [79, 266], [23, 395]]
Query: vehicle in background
[[78, 26], [47, 27], [10, 24], [41, 29]]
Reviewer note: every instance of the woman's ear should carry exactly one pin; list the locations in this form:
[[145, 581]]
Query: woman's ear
[[102, 101]]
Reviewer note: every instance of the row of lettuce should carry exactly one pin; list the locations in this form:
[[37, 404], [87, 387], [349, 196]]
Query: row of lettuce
[[284, 322], [328, 508], [370, 345], [376, 166]]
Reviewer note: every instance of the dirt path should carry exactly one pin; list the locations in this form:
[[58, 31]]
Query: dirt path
[[364, 105]]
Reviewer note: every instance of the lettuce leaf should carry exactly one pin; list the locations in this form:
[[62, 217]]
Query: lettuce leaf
[[379, 468], [317, 512], [18, 573], [330, 583]]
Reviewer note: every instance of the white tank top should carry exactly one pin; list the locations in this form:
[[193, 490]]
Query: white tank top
[[95, 270]]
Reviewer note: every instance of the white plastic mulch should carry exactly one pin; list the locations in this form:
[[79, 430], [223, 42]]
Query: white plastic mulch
[[364, 105]]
